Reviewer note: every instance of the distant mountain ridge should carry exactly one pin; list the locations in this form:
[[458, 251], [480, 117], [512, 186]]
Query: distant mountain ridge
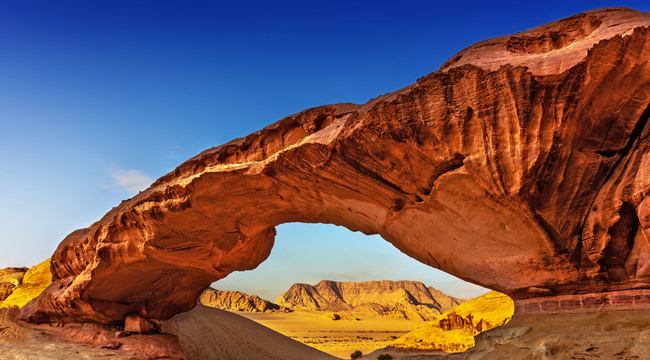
[[398, 299], [238, 301]]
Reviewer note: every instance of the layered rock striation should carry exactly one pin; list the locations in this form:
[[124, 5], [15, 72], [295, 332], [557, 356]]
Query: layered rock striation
[[397, 299], [238, 301], [521, 165]]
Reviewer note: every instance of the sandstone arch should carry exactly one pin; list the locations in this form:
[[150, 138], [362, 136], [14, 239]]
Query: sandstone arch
[[523, 171]]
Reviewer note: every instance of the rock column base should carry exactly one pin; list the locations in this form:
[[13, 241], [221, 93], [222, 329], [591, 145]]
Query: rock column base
[[616, 300]]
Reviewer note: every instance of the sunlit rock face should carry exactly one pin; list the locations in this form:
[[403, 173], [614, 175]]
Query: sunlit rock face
[[238, 301], [454, 330], [410, 300], [32, 282], [523, 165], [10, 279]]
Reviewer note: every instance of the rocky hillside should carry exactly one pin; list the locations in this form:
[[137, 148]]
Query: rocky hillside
[[454, 330], [398, 299], [10, 278], [238, 301], [34, 281]]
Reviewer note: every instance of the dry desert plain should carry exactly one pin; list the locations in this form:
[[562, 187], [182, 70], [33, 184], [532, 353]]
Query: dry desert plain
[[340, 337]]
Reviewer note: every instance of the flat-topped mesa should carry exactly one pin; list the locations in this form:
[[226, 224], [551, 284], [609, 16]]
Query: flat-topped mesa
[[529, 183], [397, 299]]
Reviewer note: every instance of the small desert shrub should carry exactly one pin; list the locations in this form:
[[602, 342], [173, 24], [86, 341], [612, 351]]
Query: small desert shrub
[[356, 354], [384, 357]]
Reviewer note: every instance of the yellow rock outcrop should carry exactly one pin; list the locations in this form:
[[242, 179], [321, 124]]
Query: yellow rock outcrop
[[34, 282], [10, 279], [454, 330]]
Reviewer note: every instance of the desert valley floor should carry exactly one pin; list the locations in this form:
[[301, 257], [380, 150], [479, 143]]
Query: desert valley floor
[[338, 338]]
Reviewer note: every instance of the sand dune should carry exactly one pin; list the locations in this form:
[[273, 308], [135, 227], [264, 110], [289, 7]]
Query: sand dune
[[213, 334]]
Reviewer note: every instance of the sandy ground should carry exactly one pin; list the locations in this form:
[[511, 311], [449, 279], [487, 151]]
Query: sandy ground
[[338, 338], [212, 334]]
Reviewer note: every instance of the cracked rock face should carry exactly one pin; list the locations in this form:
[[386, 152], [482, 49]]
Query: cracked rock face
[[523, 165]]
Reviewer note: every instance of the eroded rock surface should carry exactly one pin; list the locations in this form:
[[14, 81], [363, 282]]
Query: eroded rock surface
[[594, 335], [10, 279], [552, 48], [526, 171], [397, 299], [33, 282], [135, 323]]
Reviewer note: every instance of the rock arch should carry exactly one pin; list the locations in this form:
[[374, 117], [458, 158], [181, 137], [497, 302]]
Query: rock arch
[[523, 172]]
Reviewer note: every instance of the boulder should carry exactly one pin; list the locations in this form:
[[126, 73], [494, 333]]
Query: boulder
[[136, 323]]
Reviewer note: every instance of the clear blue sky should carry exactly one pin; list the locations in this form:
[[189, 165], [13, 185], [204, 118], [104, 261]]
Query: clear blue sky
[[99, 97]]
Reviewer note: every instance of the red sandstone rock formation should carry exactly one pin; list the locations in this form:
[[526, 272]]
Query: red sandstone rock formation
[[135, 323], [522, 165], [398, 299], [238, 301]]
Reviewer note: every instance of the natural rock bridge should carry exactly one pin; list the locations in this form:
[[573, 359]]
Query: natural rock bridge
[[522, 165]]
